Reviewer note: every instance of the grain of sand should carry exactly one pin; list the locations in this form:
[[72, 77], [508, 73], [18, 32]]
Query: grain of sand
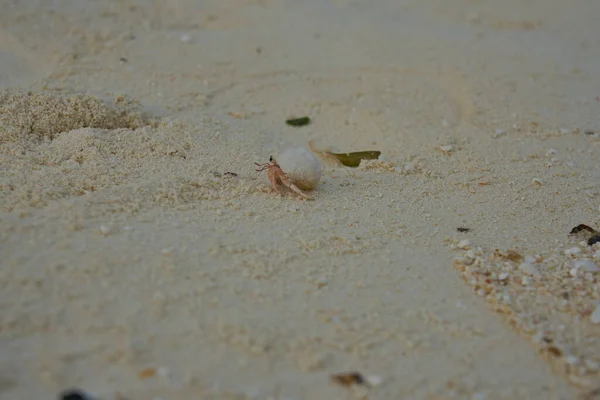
[[133, 266]]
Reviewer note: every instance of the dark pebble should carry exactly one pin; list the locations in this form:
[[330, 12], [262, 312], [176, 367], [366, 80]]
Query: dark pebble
[[74, 394]]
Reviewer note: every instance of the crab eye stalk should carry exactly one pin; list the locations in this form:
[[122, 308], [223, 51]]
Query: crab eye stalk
[[270, 158]]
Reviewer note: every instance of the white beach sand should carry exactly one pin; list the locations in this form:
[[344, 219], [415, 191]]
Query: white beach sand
[[133, 267]]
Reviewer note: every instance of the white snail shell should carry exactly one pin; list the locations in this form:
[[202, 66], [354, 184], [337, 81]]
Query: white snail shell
[[301, 166]]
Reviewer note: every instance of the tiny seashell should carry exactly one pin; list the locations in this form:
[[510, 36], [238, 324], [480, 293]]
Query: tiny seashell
[[301, 166]]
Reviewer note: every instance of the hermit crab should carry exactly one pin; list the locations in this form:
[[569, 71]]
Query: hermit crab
[[296, 168]]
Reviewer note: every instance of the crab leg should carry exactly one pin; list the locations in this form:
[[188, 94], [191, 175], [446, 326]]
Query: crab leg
[[287, 182]]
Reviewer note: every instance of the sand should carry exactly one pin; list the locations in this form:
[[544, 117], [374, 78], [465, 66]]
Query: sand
[[143, 258]]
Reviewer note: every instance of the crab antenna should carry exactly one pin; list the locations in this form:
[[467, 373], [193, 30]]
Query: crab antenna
[[262, 166]]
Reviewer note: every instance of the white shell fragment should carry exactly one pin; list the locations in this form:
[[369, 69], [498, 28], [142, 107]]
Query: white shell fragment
[[586, 265], [447, 148], [530, 269], [572, 251], [464, 244], [374, 380], [301, 166]]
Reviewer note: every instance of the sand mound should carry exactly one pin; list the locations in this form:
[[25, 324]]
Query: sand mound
[[54, 146], [44, 158], [46, 115], [82, 161]]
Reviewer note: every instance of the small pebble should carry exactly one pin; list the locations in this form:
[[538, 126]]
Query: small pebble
[[75, 394], [479, 396], [592, 365], [408, 167], [446, 148], [595, 317], [572, 360], [530, 260], [498, 133], [586, 265], [185, 38], [503, 276], [322, 282], [105, 229], [464, 244], [163, 372], [529, 268], [572, 251], [374, 380]]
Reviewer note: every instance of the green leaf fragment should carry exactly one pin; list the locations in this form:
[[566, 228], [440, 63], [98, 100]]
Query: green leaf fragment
[[353, 159], [298, 121]]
